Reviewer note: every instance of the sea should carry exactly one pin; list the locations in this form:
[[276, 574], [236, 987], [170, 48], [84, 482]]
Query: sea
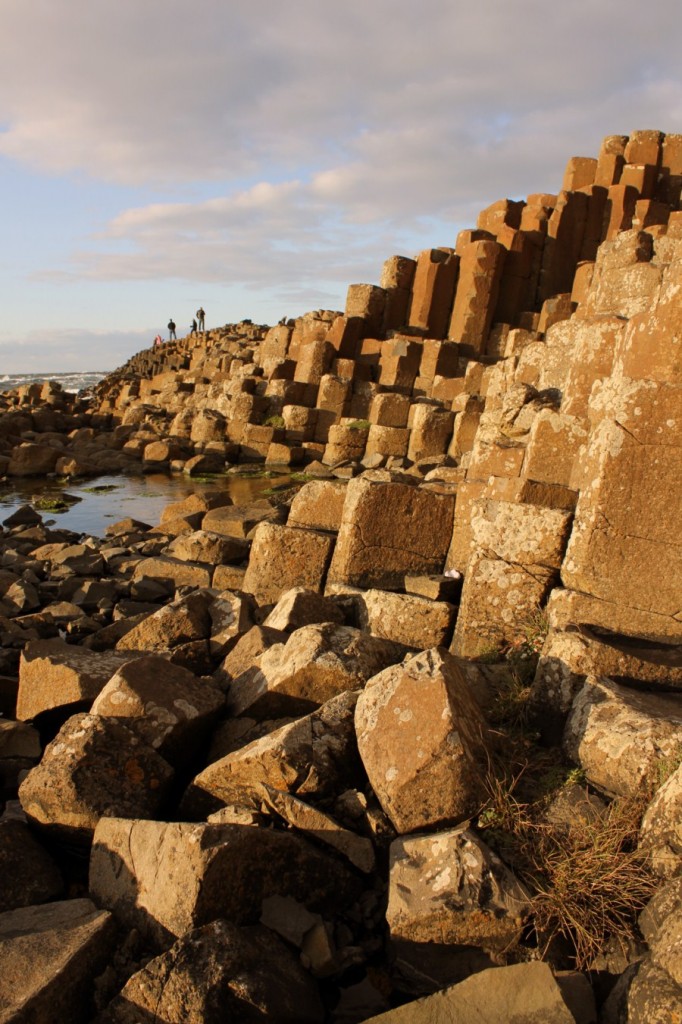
[[77, 380], [96, 502]]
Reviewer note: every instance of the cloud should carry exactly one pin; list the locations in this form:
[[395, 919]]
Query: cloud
[[169, 90], [288, 149], [67, 349]]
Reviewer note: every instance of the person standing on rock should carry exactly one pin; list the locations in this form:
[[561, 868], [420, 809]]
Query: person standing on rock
[[171, 330], [193, 328], [201, 317]]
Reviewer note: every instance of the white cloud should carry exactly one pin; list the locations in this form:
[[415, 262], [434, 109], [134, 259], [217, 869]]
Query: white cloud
[[288, 149]]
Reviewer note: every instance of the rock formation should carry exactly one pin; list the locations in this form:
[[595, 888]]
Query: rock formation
[[368, 748]]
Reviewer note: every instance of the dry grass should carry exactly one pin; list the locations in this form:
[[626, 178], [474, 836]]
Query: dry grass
[[587, 880]]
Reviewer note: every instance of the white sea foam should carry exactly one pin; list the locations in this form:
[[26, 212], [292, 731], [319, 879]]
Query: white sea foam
[[74, 381]]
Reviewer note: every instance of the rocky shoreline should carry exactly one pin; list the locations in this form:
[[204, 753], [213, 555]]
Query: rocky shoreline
[[402, 741]]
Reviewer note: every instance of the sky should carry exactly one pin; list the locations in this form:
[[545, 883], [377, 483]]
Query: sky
[[257, 157]]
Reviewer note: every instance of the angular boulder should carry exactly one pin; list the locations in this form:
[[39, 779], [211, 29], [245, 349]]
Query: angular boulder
[[168, 878], [316, 663], [218, 973], [423, 741], [167, 706], [94, 766], [55, 674], [388, 530], [48, 957], [312, 757]]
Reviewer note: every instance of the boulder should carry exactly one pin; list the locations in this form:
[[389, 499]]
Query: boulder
[[218, 973], [180, 573], [168, 878], [184, 620], [405, 618], [54, 674], [201, 546], [312, 757], [618, 735], [661, 831], [300, 607], [320, 826], [94, 766], [318, 506], [450, 889], [423, 741], [48, 957], [32, 460], [167, 706], [283, 557], [317, 662], [388, 530], [246, 653], [520, 993]]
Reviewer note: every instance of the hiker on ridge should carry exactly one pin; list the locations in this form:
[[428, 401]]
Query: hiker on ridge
[[193, 328], [171, 330], [201, 316]]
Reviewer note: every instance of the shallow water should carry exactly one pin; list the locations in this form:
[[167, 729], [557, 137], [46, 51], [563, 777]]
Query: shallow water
[[106, 499]]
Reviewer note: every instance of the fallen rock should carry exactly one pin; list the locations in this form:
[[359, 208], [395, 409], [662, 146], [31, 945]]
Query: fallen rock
[[300, 607], [423, 742], [168, 878], [661, 831], [283, 557], [311, 757], [180, 622], [316, 663], [218, 973], [28, 872], [389, 530], [521, 993], [450, 889], [617, 734], [314, 823], [55, 674], [405, 618], [94, 767], [167, 706], [48, 958]]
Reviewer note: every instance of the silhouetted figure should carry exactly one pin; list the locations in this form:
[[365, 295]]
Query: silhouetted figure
[[193, 328], [171, 330], [201, 317]]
